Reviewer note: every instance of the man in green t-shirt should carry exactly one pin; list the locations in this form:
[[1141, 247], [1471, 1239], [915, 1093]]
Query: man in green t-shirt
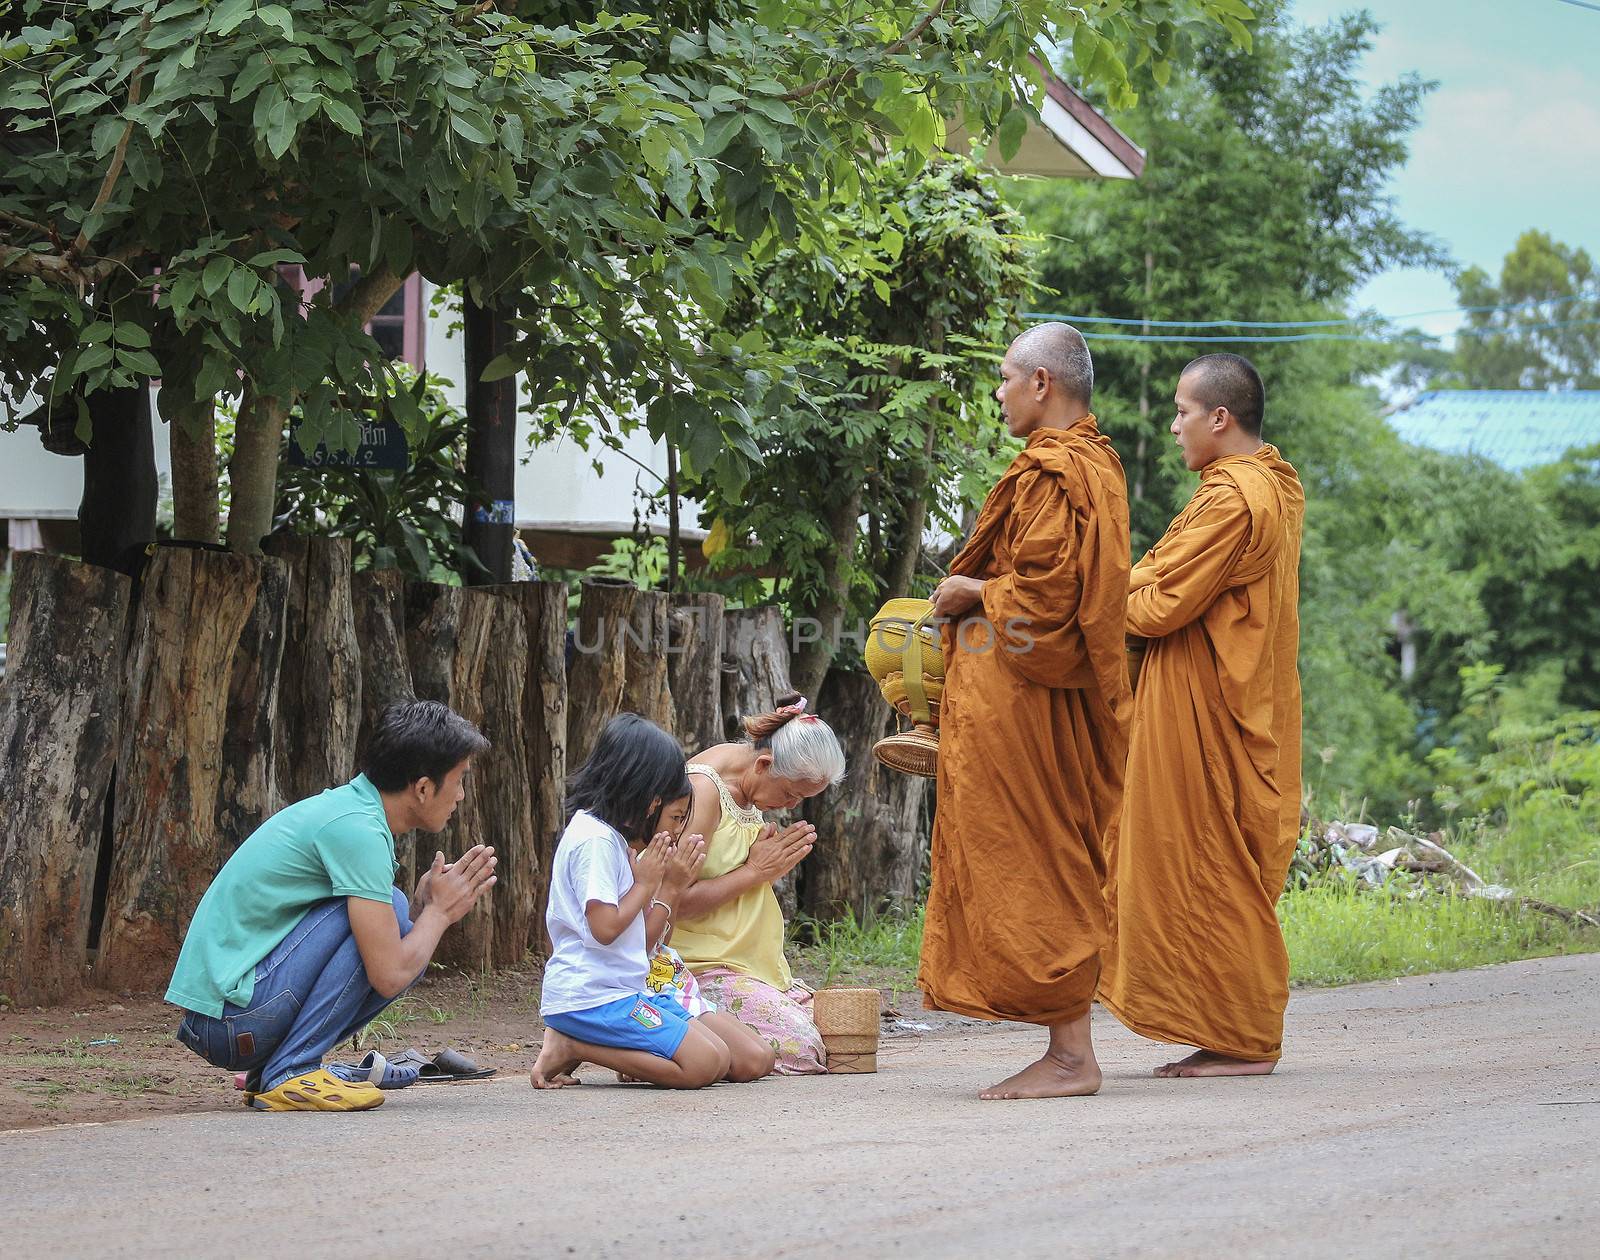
[[302, 938]]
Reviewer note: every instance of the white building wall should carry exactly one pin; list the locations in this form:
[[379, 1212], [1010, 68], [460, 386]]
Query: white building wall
[[556, 486]]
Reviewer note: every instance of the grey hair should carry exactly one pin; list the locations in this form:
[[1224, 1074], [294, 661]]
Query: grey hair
[[804, 748], [1061, 351]]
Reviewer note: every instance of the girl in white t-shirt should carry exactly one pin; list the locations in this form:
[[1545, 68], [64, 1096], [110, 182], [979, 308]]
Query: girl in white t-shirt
[[619, 870]]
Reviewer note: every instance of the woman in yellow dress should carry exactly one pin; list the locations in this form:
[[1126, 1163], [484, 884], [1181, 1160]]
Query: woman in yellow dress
[[729, 926]]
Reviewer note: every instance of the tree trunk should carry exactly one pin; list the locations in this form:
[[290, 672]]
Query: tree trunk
[[117, 517], [378, 606], [755, 672], [253, 470], [490, 522], [814, 653], [543, 606], [871, 843], [195, 774], [59, 718], [192, 439], [319, 703], [755, 665], [449, 632], [503, 793], [620, 663], [694, 668]]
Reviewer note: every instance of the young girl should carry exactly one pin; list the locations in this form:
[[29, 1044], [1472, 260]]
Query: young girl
[[619, 871]]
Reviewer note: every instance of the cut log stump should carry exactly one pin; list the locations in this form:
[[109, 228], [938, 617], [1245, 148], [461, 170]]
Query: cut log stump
[[526, 857], [319, 700], [619, 662], [59, 720], [872, 844], [755, 665], [694, 668], [195, 766]]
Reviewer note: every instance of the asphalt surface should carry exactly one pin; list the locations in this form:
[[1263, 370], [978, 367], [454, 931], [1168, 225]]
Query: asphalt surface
[[1449, 1115]]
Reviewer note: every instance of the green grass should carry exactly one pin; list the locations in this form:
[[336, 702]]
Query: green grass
[[1339, 935], [880, 951], [1336, 934], [388, 1025]]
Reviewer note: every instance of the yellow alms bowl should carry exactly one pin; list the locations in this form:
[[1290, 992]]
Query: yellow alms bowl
[[886, 640], [893, 687]]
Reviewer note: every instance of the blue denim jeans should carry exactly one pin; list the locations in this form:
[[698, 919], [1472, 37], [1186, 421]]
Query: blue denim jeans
[[311, 993]]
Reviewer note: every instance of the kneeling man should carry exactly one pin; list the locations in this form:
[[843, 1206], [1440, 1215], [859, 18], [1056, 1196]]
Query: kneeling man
[[302, 938]]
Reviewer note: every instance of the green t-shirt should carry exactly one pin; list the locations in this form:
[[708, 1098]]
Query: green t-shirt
[[337, 844]]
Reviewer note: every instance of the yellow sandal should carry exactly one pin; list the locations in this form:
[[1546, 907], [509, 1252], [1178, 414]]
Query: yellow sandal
[[318, 1091]]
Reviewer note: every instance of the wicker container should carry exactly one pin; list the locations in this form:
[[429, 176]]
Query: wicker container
[[848, 1022]]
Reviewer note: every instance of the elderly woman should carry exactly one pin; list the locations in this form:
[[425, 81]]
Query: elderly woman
[[730, 929]]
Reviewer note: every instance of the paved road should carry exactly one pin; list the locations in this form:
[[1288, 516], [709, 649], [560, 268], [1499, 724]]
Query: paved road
[[1454, 1115]]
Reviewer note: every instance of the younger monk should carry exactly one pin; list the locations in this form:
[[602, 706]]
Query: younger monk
[[1212, 808], [1032, 728]]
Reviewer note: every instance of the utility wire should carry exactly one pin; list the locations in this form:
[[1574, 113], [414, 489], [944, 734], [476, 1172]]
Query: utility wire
[[1400, 339], [1302, 323], [1582, 4]]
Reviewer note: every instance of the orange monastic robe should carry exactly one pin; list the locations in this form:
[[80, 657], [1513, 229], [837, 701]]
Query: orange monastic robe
[[1032, 740], [1212, 807]]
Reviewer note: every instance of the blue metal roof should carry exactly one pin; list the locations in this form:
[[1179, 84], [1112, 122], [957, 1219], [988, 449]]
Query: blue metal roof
[[1515, 428]]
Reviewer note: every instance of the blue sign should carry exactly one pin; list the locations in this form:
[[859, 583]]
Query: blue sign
[[382, 446]]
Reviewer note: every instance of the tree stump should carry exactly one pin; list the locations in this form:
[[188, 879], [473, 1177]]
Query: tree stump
[[526, 858], [319, 701], [451, 637], [694, 668], [755, 672], [535, 763], [872, 843], [620, 664], [378, 603], [755, 665], [194, 767], [60, 713]]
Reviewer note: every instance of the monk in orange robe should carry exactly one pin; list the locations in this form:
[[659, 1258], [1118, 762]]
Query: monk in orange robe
[[1033, 723], [1212, 807]]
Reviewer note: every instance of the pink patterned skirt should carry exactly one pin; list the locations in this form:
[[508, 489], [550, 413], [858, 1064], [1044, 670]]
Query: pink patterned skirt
[[783, 1019]]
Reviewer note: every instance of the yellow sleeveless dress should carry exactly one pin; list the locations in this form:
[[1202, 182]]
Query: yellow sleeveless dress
[[746, 934]]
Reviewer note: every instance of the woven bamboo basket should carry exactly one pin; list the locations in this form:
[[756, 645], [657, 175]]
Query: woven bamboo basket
[[848, 1022]]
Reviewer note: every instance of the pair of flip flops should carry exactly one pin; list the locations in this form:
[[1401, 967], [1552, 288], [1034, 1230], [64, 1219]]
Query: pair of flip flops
[[411, 1068]]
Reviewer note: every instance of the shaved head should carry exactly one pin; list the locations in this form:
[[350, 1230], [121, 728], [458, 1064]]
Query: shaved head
[[1228, 380], [1062, 352]]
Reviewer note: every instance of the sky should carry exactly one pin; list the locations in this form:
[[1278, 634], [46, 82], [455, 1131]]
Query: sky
[[1509, 140]]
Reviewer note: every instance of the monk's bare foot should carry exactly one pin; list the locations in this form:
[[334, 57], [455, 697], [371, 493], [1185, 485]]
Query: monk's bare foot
[[1206, 1063], [556, 1062], [1053, 1076]]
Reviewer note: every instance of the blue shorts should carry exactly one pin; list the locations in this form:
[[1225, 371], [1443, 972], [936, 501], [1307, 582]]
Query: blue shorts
[[655, 1024]]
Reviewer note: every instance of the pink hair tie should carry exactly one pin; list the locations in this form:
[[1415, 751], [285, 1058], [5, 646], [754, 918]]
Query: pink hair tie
[[797, 708]]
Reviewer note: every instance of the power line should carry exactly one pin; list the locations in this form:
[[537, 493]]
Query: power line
[[1301, 323], [1400, 339], [1582, 4]]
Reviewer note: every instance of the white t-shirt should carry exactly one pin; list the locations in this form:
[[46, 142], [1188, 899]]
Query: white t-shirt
[[591, 865]]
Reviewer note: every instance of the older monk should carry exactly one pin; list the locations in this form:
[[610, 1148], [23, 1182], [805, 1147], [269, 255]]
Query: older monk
[[1212, 808], [1032, 729]]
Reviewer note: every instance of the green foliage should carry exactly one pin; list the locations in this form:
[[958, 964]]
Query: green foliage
[[598, 169], [1262, 198], [1552, 337], [395, 519], [895, 334]]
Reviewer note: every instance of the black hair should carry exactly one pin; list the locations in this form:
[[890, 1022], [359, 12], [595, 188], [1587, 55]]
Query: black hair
[[1231, 381], [418, 739], [636, 768]]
